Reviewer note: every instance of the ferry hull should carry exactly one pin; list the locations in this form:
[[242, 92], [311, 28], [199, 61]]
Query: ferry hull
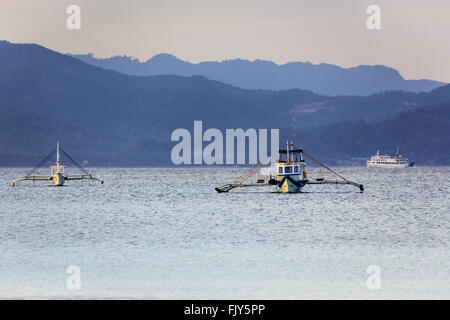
[[388, 165]]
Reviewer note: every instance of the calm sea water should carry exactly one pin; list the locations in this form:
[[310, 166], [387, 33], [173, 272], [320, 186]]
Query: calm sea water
[[165, 233]]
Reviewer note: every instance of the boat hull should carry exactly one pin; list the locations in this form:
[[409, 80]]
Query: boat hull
[[57, 179], [289, 185]]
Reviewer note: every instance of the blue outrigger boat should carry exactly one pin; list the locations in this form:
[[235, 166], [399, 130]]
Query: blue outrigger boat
[[290, 173]]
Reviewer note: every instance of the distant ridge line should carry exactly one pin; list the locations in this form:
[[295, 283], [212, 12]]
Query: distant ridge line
[[321, 78]]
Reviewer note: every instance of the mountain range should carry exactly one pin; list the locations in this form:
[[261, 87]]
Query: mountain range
[[107, 118], [327, 79]]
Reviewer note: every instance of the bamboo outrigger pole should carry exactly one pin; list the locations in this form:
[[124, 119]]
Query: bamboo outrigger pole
[[346, 181], [238, 181]]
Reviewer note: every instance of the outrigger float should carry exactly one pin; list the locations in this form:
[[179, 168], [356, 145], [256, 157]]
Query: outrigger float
[[57, 172], [290, 174]]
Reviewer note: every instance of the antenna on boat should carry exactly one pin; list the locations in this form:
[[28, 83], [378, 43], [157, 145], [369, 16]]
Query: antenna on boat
[[398, 148]]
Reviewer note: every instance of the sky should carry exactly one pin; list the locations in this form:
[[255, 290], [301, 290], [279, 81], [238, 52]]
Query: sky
[[414, 35]]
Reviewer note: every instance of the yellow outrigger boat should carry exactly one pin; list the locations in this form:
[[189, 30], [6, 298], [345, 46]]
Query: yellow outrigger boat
[[57, 172]]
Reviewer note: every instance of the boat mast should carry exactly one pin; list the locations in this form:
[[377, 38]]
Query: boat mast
[[292, 154], [57, 156], [287, 151]]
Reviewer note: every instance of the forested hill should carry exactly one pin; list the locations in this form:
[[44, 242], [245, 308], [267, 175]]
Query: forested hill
[[423, 135], [104, 117]]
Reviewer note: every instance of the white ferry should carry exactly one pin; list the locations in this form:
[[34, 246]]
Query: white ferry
[[385, 161]]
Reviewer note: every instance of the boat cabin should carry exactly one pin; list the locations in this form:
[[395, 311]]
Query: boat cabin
[[290, 164]]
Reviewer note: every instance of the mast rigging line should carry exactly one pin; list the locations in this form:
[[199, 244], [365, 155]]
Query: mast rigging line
[[360, 186], [74, 162], [238, 181], [48, 157], [253, 170], [321, 164]]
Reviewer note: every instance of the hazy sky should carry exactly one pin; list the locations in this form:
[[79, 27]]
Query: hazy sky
[[415, 35]]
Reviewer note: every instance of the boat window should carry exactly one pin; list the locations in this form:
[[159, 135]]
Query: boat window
[[288, 169], [280, 170], [296, 169]]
